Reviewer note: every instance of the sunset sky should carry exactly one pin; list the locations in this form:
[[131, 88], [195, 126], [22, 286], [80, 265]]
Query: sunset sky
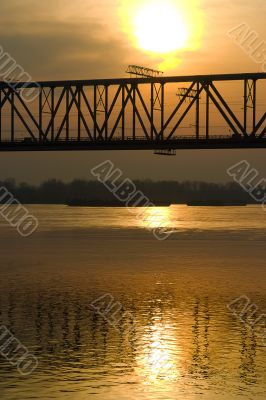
[[62, 39]]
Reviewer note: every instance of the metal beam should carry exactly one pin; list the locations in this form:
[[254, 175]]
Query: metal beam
[[134, 114], [119, 81]]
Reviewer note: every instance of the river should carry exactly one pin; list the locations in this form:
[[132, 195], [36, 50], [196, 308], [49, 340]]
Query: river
[[167, 330]]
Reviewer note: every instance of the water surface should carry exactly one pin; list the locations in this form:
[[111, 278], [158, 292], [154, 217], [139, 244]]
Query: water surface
[[176, 338]]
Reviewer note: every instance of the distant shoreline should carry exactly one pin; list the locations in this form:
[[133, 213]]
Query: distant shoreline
[[161, 192], [207, 204]]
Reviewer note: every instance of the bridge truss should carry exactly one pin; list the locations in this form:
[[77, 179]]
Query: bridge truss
[[141, 113]]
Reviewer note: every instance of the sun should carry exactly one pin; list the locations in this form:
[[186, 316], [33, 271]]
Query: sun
[[163, 29], [159, 27]]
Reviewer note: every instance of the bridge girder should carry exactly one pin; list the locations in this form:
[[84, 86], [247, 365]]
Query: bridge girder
[[134, 113]]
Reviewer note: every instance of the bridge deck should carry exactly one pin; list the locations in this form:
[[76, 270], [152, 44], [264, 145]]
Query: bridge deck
[[181, 143]]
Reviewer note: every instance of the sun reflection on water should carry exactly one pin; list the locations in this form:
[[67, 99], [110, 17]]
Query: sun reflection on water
[[158, 359], [156, 217]]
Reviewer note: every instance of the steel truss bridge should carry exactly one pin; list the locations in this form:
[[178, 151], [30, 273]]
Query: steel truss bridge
[[137, 113]]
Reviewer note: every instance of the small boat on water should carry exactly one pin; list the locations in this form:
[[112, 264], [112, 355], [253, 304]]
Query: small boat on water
[[216, 203]]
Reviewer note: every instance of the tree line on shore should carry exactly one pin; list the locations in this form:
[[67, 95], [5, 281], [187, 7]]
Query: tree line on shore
[[57, 192]]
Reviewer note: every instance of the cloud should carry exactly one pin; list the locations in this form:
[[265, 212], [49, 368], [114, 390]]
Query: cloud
[[64, 53], [50, 42], [55, 40], [62, 39]]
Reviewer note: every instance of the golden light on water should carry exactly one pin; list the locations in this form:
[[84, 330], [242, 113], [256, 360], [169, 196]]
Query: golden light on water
[[162, 28], [156, 217], [158, 362]]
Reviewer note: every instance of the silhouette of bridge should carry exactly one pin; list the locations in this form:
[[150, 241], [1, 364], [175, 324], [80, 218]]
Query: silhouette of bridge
[[137, 113]]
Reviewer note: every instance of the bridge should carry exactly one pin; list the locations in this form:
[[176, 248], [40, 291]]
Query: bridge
[[163, 114]]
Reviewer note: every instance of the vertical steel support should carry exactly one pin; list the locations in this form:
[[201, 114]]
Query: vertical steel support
[[79, 113], [123, 112], [254, 121], [250, 101], [52, 113], [106, 111], [158, 105], [0, 115], [133, 111], [162, 111], [101, 106], [245, 104], [198, 111], [207, 110], [40, 114], [152, 111], [67, 116], [95, 112], [12, 116]]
